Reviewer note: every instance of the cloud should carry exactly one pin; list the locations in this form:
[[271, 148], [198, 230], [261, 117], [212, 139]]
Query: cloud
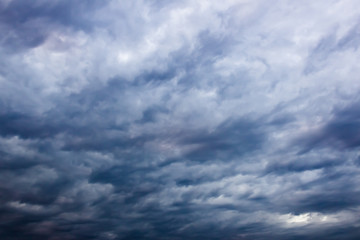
[[340, 131], [28, 25], [179, 120]]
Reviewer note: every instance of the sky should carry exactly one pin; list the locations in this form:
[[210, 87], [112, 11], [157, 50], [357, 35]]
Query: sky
[[169, 120]]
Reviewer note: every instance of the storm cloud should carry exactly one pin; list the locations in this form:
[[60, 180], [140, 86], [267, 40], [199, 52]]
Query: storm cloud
[[179, 120]]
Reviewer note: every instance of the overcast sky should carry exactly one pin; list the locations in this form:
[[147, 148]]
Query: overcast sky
[[181, 119]]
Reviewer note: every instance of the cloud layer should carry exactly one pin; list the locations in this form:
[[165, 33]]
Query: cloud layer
[[179, 119]]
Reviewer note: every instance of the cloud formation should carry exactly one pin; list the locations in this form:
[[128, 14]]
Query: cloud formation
[[179, 120]]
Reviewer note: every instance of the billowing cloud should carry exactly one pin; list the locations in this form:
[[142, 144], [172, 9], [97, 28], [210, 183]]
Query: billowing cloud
[[179, 120]]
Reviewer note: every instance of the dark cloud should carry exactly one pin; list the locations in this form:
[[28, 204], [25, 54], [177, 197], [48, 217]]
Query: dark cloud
[[341, 131], [28, 24], [301, 164], [18, 124], [231, 138], [178, 120]]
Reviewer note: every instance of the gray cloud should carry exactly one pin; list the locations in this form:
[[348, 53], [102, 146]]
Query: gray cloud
[[179, 120], [340, 131], [28, 25]]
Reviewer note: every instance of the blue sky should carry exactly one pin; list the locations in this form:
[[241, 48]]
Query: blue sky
[[232, 119]]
